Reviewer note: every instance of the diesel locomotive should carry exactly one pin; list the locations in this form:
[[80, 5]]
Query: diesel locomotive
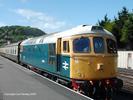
[[83, 58]]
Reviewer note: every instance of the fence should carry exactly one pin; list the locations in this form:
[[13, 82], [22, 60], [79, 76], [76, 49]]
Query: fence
[[125, 59]]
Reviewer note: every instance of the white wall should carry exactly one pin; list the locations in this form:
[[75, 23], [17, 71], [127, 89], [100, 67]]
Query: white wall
[[125, 59]]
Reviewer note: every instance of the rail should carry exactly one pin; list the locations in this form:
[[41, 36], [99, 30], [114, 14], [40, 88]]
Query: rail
[[127, 76]]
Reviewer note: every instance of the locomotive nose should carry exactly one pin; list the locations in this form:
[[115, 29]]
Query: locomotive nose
[[95, 67]]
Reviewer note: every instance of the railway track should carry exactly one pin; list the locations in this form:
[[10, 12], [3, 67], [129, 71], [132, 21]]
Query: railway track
[[127, 76], [123, 95]]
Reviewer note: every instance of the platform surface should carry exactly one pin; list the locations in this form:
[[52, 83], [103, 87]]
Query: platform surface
[[18, 83]]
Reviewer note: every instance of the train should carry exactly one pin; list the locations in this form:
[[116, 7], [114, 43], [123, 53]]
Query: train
[[83, 58]]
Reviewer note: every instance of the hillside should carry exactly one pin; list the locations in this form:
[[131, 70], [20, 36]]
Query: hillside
[[14, 34]]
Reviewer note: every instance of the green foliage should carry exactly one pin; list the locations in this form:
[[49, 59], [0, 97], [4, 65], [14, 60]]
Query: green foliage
[[121, 27], [127, 32], [104, 21], [18, 33]]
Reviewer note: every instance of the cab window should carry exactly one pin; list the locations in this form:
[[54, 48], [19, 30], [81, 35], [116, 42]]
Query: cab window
[[81, 45], [111, 46], [66, 46], [98, 43]]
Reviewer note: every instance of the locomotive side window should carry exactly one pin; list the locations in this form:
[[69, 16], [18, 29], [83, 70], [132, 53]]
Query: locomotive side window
[[111, 46], [52, 54], [66, 46], [81, 45], [98, 43]]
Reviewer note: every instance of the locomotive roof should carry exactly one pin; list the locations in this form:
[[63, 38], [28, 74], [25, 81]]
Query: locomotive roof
[[51, 38]]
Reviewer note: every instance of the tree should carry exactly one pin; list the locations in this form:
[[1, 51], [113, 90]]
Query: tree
[[104, 21], [118, 26], [18, 33], [127, 32], [122, 28]]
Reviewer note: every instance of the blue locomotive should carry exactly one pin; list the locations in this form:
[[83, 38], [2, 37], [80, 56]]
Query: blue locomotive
[[84, 57]]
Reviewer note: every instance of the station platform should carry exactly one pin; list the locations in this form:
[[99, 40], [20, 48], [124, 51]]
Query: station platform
[[19, 83]]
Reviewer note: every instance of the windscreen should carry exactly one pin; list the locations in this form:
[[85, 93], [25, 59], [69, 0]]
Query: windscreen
[[111, 46], [98, 43], [81, 45]]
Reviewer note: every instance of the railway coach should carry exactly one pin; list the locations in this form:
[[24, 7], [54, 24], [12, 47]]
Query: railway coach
[[84, 57], [11, 51]]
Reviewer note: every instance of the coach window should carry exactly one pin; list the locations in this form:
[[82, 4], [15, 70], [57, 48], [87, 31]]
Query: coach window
[[65, 46], [21, 48], [98, 43], [52, 54], [15, 51], [11, 51], [111, 46]]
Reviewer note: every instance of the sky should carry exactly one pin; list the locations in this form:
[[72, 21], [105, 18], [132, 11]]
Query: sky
[[58, 15]]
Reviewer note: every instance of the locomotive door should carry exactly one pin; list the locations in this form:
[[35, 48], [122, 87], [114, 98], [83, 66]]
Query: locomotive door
[[58, 52], [63, 57]]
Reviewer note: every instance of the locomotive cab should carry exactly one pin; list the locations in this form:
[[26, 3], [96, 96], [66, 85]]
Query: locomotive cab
[[90, 60], [87, 57], [93, 57]]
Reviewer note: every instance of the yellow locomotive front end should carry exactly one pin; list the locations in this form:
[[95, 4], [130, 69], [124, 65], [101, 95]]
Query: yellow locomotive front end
[[94, 57], [94, 65]]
